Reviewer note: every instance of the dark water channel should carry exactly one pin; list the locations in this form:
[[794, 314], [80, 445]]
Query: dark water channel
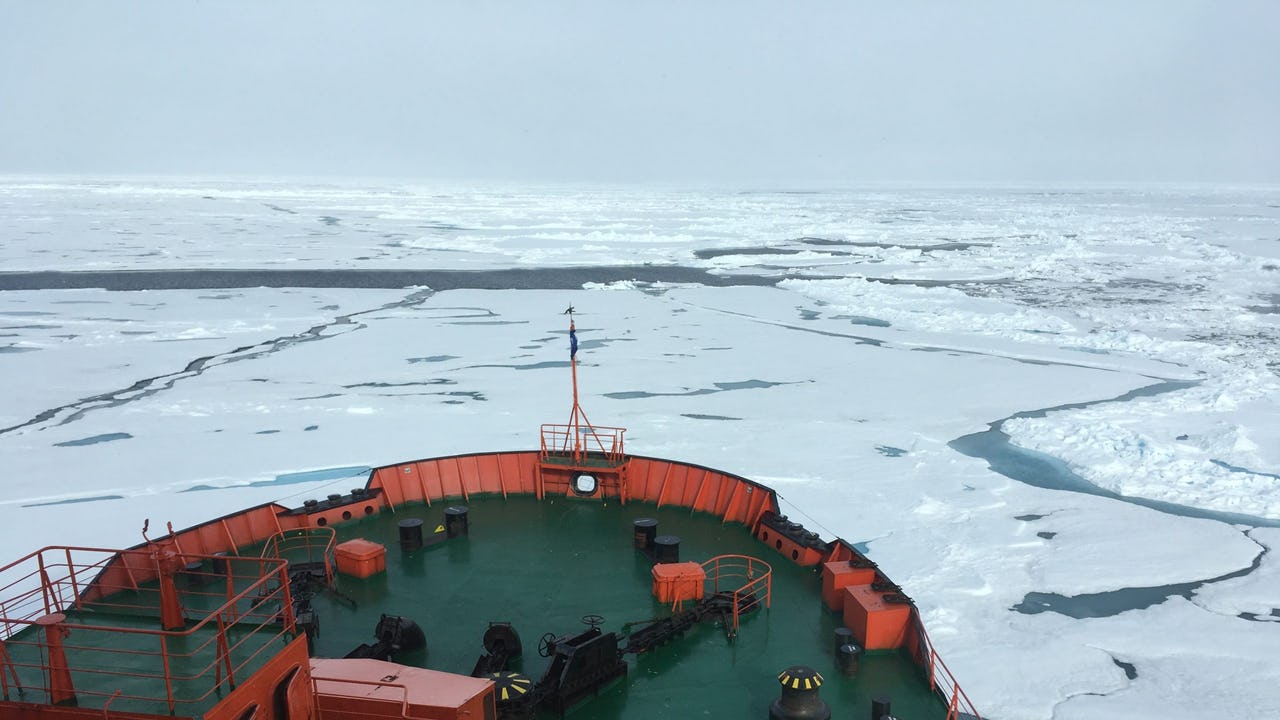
[[1045, 471], [500, 279]]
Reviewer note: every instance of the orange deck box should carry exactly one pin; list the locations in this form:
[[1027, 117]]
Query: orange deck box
[[676, 582], [361, 558], [838, 575], [366, 689], [876, 624]]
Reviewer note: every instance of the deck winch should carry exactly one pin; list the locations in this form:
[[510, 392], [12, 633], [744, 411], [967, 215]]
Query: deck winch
[[582, 663], [501, 645], [395, 634]]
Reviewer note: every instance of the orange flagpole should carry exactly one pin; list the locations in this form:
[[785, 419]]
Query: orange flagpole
[[573, 365]]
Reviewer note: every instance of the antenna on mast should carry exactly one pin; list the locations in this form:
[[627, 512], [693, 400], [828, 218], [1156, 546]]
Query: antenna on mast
[[581, 458], [576, 416]]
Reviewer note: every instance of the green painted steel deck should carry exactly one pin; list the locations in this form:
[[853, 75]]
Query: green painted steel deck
[[542, 565]]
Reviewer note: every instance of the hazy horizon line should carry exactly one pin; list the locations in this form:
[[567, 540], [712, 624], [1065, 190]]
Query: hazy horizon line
[[407, 181]]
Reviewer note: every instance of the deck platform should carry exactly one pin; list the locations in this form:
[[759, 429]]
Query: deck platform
[[544, 565]]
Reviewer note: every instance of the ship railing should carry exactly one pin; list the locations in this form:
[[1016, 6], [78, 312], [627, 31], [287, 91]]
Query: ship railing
[[304, 549], [347, 712], [39, 584], [944, 683], [747, 581], [83, 624], [575, 442]]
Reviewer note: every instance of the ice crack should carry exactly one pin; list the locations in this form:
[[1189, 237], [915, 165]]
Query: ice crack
[[147, 387], [1114, 602]]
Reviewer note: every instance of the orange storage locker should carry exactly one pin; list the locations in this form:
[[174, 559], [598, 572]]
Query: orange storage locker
[[677, 582], [838, 575], [877, 625], [361, 558]]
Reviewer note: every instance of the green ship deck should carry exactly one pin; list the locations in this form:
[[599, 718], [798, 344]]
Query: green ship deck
[[542, 566]]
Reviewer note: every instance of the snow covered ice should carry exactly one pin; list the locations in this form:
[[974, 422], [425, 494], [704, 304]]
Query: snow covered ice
[[863, 333]]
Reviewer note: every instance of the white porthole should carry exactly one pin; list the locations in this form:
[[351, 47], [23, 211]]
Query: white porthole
[[584, 484]]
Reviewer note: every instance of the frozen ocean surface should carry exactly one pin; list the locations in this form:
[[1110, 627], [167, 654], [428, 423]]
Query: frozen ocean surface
[[1052, 415]]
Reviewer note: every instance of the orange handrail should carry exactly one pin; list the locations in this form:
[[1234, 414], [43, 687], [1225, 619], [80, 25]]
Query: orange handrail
[[740, 576], [374, 685], [577, 441], [110, 629], [306, 545], [944, 683]]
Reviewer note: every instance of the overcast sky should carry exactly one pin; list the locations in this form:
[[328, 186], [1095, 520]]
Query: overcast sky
[[733, 92]]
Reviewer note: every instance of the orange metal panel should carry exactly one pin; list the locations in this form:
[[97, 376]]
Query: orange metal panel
[[409, 485], [393, 484], [262, 525], [840, 550], [660, 478], [115, 577], [508, 474], [766, 500], [736, 509], [642, 472], [708, 492], [291, 522], [465, 467], [241, 527], [479, 474], [911, 639], [666, 481], [796, 553], [428, 474], [750, 501], [432, 479], [838, 575], [682, 492], [140, 570], [556, 481], [420, 491], [370, 506], [745, 500], [211, 539], [450, 483], [694, 478], [380, 477], [637, 478], [876, 624], [642, 486], [719, 504], [528, 471], [469, 476], [259, 688], [231, 539], [499, 470], [680, 489], [363, 689], [489, 470]]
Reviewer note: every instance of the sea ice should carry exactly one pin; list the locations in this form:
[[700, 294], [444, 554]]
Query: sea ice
[[988, 303]]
